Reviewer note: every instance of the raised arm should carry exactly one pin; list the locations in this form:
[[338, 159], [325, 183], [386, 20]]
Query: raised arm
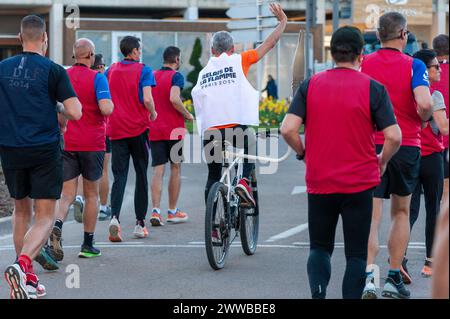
[[275, 36]]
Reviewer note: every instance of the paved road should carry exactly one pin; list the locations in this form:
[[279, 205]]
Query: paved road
[[172, 262]]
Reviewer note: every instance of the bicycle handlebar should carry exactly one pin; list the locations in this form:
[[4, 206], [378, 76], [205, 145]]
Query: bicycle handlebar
[[260, 158]]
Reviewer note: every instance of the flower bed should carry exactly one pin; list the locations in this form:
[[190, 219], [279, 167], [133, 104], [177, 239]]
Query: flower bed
[[271, 113]]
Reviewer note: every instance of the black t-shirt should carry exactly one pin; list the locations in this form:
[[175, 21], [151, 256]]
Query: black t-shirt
[[381, 108]]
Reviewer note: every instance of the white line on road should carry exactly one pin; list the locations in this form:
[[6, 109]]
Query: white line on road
[[298, 190], [6, 248], [5, 219], [288, 233], [6, 237]]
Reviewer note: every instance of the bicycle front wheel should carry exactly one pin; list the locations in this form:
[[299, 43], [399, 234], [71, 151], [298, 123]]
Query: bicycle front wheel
[[217, 226], [249, 222]]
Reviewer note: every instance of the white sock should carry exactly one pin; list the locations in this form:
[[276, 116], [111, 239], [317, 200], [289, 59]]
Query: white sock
[[103, 207], [157, 210], [173, 211], [80, 198]]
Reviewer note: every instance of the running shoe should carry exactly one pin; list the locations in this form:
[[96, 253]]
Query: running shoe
[[370, 290], [104, 214], [178, 217], [17, 281], [46, 260], [407, 279], [427, 270], [140, 232], [56, 243], [89, 252], [395, 290], [34, 287], [115, 231], [244, 191], [78, 206], [156, 219]]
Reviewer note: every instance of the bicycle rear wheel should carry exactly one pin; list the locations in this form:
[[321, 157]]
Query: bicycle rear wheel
[[217, 226], [249, 222]]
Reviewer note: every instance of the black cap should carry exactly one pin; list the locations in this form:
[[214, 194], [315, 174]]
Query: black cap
[[347, 40]]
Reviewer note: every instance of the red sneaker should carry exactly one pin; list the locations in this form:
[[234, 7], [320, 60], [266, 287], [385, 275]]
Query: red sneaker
[[244, 191]]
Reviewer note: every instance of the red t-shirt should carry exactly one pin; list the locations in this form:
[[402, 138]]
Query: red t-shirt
[[393, 69], [341, 108], [88, 133], [130, 117], [169, 119]]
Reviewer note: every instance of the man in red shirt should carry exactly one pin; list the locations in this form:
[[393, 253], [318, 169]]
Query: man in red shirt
[[166, 136], [441, 46], [131, 85], [84, 148], [406, 80], [342, 168]]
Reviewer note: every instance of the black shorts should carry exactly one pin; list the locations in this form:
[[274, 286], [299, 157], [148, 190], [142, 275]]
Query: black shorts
[[161, 152], [446, 163], [108, 145], [35, 172], [87, 164], [402, 173]]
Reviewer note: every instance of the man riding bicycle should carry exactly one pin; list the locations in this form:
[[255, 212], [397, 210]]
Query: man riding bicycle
[[223, 82]]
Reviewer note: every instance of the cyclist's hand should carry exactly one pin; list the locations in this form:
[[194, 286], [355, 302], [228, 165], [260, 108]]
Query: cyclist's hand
[[278, 12], [188, 116], [153, 115]]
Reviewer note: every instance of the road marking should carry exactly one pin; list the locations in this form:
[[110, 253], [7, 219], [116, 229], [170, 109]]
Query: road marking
[[5, 219], [288, 233], [414, 245], [298, 190], [292, 246], [6, 237]]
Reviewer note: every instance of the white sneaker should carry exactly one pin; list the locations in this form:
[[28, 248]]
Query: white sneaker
[[115, 232], [140, 232], [17, 281], [370, 290], [36, 292]]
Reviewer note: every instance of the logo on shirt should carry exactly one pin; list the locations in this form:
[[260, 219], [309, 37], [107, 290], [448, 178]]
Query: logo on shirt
[[425, 77], [218, 78]]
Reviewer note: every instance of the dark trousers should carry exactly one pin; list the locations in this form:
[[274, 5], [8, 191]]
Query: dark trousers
[[432, 180], [323, 216], [122, 150], [214, 156]]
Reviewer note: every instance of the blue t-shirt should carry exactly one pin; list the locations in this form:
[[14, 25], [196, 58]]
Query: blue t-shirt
[[101, 87], [178, 78], [146, 79], [419, 74]]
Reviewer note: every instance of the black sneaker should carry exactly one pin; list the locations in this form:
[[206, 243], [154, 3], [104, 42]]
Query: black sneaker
[[395, 290], [89, 252]]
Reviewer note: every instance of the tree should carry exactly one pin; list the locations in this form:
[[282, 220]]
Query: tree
[[194, 60]]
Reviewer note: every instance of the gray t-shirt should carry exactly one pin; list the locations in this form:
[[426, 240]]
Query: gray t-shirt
[[438, 105]]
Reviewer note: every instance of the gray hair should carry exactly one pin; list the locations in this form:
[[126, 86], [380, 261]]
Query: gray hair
[[222, 42], [390, 25]]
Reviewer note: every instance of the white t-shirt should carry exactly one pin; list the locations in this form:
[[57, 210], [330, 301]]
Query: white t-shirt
[[223, 95]]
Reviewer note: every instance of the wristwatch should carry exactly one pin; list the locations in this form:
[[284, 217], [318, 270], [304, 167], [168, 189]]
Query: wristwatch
[[301, 157]]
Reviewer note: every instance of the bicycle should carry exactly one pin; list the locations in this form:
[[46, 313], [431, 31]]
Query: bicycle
[[224, 212]]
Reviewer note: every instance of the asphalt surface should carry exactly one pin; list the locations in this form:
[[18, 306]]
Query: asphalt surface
[[172, 262]]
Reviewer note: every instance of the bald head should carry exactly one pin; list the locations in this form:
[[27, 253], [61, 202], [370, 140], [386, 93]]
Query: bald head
[[83, 49], [32, 28]]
